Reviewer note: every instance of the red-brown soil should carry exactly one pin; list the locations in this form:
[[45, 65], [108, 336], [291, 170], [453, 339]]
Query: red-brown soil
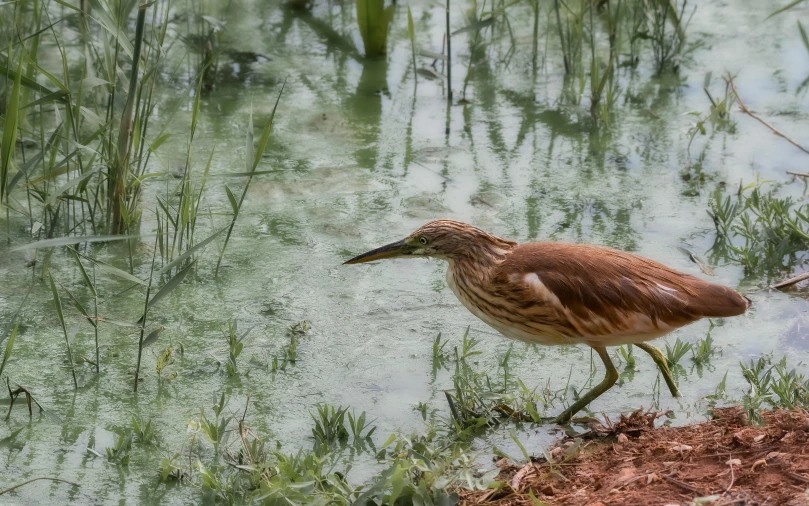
[[634, 463]]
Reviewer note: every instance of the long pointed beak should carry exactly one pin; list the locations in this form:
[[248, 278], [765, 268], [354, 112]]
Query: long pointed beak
[[394, 249]]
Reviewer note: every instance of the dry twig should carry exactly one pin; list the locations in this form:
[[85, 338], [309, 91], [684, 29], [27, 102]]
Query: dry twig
[[35, 479], [791, 281], [750, 113]]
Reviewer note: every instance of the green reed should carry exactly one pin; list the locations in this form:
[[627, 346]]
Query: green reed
[[373, 20]]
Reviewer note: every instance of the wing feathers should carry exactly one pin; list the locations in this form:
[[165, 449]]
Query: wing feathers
[[601, 291]]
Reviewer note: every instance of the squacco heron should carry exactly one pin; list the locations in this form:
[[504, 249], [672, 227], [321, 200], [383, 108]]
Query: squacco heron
[[553, 293]]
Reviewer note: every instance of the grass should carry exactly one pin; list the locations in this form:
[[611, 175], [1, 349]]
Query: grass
[[98, 146], [252, 159], [755, 228], [775, 384], [289, 352], [235, 344], [373, 20]]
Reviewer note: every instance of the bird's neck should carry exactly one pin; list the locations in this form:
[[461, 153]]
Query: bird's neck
[[481, 257]]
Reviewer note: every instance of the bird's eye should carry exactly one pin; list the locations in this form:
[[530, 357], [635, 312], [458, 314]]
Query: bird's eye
[[423, 240]]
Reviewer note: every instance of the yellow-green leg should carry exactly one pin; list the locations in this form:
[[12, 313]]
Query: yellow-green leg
[[660, 360], [607, 383]]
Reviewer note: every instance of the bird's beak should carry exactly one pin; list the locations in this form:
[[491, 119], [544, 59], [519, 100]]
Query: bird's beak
[[394, 249]]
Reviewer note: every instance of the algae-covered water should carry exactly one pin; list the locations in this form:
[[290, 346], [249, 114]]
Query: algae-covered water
[[360, 156]]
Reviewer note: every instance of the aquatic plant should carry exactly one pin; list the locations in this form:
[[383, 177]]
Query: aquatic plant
[[235, 347], [119, 452], [94, 187], [373, 19], [57, 302], [252, 158], [761, 231], [570, 27], [421, 469], [143, 429], [411, 34], [289, 352], [676, 352], [704, 349]]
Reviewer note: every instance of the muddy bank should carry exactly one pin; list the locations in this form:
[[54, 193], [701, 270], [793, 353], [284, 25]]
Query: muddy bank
[[635, 461]]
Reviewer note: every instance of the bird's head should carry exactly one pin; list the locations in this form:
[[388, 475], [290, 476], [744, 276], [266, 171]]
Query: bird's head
[[445, 239]]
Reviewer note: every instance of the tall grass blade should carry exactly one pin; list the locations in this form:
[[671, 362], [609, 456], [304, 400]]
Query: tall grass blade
[[114, 271], [170, 285], [29, 83], [411, 33], [57, 301], [90, 285], [69, 241], [125, 133], [262, 145], [9, 346], [9, 141], [788, 6], [187, 253], [142, 320], [804, 38]]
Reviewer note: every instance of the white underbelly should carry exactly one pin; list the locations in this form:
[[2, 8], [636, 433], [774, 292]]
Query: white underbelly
[[537, 336]]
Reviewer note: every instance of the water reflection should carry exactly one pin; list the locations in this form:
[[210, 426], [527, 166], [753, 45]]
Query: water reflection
[[362, 155]]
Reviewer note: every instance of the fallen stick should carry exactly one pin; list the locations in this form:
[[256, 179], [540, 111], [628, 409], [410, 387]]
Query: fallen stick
[[747, 111], [35, 479], [799, 174], [791, 281], [681, 484]]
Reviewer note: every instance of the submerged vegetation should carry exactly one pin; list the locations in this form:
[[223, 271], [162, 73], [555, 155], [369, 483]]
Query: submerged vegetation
[[124, 171]]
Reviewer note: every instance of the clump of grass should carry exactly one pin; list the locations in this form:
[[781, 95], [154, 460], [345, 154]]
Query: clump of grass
[[235, 346], [143, 429], [119, 452], [705, 349], [162, 361], [627, 355], [676, 352], [289, 353], [94, 188], [477, 400], [570, 27], [604, 90], [170, 469], [440, 355], [329, 424], [213, 429], [764, 233], [667, 43], [419, 469]]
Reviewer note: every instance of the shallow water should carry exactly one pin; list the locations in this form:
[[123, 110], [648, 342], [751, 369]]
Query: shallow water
[[361, 157]]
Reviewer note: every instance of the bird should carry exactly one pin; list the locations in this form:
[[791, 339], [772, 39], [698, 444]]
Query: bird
[[553, 293]]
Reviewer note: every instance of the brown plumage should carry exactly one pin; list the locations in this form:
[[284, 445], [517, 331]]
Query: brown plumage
[[554, 293]]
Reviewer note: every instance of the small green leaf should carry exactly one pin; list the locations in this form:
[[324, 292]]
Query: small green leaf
[[411, 30], [9, 346], [152, 337], [171, 284], [232, 198]]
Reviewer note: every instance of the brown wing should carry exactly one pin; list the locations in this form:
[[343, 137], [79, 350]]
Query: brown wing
[[601, 291]]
